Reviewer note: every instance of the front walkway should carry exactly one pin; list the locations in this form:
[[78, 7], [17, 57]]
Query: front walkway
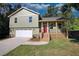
[[9, 44], [35, 43]]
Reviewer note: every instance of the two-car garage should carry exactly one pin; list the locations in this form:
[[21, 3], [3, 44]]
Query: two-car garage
[[24, 33]]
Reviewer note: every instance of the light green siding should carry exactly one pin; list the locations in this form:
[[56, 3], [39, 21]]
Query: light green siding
[[23, 22], [23, 19]]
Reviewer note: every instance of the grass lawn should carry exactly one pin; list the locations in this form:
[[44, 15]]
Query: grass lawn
[[56, 47]]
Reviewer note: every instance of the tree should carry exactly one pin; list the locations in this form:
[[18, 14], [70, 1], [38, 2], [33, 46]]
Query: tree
[[51, 11], [67, 13], [4, 21]]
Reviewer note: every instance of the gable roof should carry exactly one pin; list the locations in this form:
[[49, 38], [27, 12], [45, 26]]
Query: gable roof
[[22, 9]]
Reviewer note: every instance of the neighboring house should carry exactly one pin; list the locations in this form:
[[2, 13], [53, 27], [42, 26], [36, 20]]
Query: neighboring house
[[26, 23]]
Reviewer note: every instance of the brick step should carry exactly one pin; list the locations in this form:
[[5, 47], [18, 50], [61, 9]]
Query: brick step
[[58, 38], [45, 37], [58, 35]]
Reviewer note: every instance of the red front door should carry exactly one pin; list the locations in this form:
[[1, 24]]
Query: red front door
[[45, 27]]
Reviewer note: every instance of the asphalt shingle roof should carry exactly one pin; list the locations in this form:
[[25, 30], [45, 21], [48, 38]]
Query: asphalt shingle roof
[[52, 19]]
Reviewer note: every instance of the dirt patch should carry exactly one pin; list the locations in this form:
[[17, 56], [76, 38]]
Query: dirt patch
[[35, 39]]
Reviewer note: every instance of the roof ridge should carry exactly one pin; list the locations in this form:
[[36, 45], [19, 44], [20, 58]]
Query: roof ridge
[[23, 8], [30, 10]]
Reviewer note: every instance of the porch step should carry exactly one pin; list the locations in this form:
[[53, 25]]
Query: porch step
[[57, 36], [45, 37]]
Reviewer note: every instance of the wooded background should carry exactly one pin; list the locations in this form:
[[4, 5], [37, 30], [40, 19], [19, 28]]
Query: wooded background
[[66, 12]]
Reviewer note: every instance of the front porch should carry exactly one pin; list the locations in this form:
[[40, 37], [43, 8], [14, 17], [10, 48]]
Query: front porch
[[53, 30]]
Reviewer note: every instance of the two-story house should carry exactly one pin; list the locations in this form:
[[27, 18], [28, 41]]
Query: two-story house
[[25, 23]]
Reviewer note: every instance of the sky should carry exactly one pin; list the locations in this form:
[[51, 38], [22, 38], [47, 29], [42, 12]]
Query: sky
[[39, 7], [42, 8]]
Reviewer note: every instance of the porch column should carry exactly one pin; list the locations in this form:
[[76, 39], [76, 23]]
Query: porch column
[[67, 30], [41, 26], [47, 27], [56, 29]]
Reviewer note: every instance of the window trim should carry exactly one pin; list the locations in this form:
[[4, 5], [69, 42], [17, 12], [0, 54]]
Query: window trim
[[15, 19], [30, 19]]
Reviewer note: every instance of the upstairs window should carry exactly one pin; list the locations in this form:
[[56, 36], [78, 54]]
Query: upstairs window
[[15, 20], [30, 19]]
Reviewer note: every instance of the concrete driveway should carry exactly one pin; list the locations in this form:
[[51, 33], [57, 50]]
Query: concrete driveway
[[9, 44]]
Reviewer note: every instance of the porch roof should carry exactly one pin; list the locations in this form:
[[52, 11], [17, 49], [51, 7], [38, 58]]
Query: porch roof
[[49, 19]]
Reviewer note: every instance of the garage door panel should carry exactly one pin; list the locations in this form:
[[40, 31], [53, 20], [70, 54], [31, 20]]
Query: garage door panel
[[24, 33]]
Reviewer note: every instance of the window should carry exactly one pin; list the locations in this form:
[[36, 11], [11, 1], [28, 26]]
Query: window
[[15, 20], [52, 25], [30, 19], [60, 25]]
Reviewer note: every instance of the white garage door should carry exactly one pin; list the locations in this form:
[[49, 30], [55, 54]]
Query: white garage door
[[24, 33]]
